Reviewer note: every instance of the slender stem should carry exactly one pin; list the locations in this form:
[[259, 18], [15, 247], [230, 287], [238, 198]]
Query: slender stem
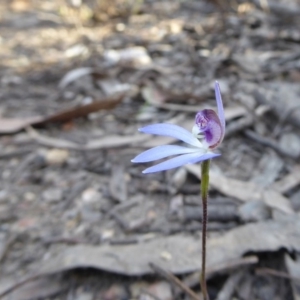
[[204, 195]]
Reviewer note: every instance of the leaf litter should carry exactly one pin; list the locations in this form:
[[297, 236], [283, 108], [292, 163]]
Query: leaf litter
[[67, 185], [183, 250]]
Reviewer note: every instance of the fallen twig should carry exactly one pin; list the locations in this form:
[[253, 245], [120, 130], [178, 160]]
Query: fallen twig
[[193, 280], [20, 283], [268, 271], [173, 279]]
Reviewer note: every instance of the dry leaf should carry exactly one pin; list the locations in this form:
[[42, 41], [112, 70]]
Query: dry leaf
[[43, 287], [282, 98], [184, 250], [102, 143], [245, 191], [289, 181], [82, 111], [134, 56], [8, 126], [74, 75], [118, 184], [223, 251]]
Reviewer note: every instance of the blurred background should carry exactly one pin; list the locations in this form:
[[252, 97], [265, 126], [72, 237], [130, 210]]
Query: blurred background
[[78, 78]]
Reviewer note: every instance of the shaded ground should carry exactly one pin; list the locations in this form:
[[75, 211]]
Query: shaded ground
[[77, 219]]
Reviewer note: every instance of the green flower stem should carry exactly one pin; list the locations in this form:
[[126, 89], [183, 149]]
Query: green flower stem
[[204, 195]]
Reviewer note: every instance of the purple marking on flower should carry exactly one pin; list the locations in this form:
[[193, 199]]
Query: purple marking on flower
[[211, 125], [208, 123], [209, 128]]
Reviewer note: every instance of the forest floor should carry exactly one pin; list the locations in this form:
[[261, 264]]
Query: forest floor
[[78, 220]]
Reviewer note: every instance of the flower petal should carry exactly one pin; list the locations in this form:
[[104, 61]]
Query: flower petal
[[162, 152], [181, 160], [174, 131], [205, 156], [220, 105]]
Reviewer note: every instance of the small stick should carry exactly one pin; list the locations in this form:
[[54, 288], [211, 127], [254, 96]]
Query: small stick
[[170, 277], [20, 283], [267, 271], [221, 269]]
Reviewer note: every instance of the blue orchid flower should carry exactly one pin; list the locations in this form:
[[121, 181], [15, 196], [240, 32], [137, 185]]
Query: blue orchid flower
[[207, 134]]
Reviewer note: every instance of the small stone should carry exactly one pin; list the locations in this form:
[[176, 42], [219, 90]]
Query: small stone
[[90, 205], [90, 196], [56, 156], [28, 196], [107, 234], [254, 211], [166, 255], [90, 200], [115, 292], [160, 290], [136, 289]]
